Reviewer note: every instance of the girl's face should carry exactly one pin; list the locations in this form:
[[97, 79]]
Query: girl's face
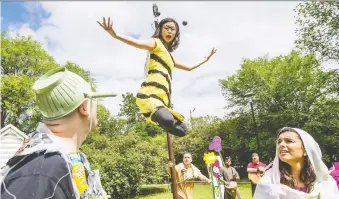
[[290, 147], [168, 32]]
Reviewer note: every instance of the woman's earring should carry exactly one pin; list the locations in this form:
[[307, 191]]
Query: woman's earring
[[305, 154]]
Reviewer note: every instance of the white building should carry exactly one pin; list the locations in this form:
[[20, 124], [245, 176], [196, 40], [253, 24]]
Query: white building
[[11, 139]]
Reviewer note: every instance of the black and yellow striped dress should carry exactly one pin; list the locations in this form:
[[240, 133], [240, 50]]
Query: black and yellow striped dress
[[156, 90]]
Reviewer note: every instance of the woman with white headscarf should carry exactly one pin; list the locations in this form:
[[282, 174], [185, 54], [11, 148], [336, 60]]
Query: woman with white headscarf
[[298, 171]]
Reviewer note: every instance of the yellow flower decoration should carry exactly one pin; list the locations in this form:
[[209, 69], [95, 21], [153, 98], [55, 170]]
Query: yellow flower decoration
[[210, 158]]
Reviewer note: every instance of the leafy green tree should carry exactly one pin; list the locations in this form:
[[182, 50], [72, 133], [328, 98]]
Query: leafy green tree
[[285, 91], [22, 61], [318, 28], [324, 126], [285, 88], [129, 108], [81, 72], [197, 140], [104, 119], [127, 161], [135, 121]]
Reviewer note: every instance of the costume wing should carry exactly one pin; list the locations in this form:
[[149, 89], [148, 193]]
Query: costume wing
[[147, 63]]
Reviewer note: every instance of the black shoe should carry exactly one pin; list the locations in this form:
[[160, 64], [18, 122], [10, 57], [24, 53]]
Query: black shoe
[[179, 129]]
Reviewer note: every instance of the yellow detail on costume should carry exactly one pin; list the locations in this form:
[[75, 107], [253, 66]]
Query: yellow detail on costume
[[156, 91], [79, 175], [78, 171]]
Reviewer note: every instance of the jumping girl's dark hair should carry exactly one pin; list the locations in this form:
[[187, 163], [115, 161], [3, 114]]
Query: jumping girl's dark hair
[[175, 42], [307, 174]]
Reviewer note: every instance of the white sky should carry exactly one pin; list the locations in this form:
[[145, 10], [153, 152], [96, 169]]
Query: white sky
[[237, 29]]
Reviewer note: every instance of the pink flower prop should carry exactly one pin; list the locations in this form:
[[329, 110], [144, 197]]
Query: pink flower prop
[[215, 145], [215, 168]]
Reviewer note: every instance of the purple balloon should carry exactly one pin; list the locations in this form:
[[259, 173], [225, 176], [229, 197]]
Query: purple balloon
[[215, 145]]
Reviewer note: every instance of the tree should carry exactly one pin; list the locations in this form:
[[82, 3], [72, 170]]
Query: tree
[[104, 118], [23, 60], [135, 121], [238, 141], [324, 126], [318, 29], [129, 108], [286, 91], [82, 73], [287, 87], [126, 161], [197, 140]]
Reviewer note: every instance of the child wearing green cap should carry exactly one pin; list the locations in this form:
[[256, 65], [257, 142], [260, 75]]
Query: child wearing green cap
[[49, 164]]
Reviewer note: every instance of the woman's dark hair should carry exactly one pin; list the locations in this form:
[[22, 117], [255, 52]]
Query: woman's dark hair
[[307, 174], [175, 42]]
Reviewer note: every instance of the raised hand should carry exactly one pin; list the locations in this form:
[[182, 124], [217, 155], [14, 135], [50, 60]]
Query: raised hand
[[210, 55], [108, 27]]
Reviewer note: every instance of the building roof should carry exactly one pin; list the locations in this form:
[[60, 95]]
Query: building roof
[[10, 128]]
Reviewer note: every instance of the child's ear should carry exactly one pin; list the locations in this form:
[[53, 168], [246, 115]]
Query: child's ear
[[84, 109]]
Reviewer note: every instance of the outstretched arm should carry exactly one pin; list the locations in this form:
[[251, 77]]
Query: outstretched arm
[[141, 44], [204, 178], [186, 67]]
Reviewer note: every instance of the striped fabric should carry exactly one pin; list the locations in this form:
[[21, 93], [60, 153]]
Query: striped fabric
[[156, 90]]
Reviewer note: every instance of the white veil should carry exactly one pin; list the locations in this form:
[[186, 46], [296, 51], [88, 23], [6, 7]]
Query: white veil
[[325, 187]]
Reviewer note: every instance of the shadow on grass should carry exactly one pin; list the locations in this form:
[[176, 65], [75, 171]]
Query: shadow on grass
[[152, 190]]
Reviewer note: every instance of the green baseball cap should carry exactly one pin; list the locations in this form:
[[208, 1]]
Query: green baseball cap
[[60, 91]]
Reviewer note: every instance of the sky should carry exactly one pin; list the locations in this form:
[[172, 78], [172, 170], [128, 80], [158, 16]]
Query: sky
[[69, 32]]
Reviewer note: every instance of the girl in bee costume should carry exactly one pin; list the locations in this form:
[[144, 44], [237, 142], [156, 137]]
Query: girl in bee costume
[[154, 96]]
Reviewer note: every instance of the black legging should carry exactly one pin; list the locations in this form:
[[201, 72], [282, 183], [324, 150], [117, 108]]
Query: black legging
[[166, 120]]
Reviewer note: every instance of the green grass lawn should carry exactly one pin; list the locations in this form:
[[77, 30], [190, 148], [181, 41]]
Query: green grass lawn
[[201, 191]]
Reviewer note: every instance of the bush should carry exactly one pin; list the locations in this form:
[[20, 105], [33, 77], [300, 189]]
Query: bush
[[126, 161]]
